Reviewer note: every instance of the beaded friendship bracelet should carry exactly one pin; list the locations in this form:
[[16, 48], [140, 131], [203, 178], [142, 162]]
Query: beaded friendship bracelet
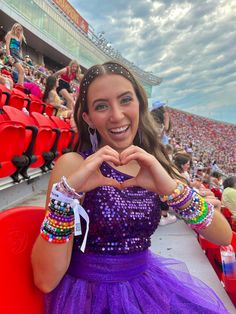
[[58, 223], [62, 219], [175, 194], [191, 206]]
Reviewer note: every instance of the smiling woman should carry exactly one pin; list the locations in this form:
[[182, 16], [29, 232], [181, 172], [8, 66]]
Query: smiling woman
[[122, 177], [113, 111]]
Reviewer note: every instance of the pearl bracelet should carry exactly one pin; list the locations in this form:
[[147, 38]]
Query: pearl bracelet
[[66, 189]]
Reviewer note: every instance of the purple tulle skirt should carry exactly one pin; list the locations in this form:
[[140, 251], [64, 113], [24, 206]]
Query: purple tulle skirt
[[132, 284]]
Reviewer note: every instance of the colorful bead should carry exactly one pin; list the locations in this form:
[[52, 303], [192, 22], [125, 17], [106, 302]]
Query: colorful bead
[[58, 224], [177, 192]]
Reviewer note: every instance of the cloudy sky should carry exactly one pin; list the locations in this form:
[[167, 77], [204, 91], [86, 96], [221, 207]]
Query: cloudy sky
[[190, 44]]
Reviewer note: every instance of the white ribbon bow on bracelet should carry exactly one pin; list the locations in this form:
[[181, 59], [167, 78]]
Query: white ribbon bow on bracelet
[[78, 211]]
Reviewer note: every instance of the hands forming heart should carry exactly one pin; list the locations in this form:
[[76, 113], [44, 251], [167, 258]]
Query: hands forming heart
[[151, 176]]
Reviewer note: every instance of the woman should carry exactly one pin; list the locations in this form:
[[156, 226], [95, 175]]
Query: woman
[[66, 76], [123, 169], [50, 96], [14, 39], [183, 163]]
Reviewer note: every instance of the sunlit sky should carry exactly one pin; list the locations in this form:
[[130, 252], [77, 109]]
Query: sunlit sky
[[190, 44]]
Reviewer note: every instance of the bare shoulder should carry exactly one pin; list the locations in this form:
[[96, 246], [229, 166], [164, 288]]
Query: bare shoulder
[[68, 163], [65, 166]]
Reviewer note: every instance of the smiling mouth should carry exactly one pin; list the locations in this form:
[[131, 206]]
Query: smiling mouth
[[120, 130]]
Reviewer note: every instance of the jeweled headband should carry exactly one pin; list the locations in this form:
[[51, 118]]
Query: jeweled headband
[[97, 70]]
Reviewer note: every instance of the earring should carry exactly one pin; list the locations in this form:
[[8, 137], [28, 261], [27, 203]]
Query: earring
[[93, 138]]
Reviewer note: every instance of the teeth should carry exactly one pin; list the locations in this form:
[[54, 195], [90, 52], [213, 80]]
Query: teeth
[[118, 130]]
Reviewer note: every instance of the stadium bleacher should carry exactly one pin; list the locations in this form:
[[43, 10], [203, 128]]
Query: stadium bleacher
[[213, 139]]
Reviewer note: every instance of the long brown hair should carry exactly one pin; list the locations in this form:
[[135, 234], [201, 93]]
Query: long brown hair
[[147, 137], [50, 84]]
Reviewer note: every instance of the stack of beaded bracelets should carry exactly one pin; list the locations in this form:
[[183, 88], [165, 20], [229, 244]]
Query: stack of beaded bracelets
[[192, 207], [58, 224]]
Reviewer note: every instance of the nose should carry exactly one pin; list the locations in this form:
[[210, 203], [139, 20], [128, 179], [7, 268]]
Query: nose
[[117, 113]]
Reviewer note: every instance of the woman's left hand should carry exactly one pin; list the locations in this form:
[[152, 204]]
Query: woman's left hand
[[151, 176]]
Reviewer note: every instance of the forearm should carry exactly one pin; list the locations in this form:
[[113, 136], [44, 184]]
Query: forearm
[[219, 231], [50, 261], [199, 214]]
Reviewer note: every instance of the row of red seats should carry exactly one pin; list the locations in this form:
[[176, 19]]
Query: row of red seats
[[31, 141], [17, 98]]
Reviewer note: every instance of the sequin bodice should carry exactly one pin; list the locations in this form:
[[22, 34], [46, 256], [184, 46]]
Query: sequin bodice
[[120, 221]]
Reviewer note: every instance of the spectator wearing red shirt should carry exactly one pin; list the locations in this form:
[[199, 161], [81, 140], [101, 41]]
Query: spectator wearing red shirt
[[66, 76]]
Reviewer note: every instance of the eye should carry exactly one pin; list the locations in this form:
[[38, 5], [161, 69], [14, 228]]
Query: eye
[[101, 107], [126, 100]]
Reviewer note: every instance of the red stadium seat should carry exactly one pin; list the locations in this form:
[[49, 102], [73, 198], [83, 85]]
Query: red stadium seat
[[0, 96], [49, 137], [12, 147], [5, 72], [50, 110], [5, 92], [226, 212], [20, 93], [19, 87], [17, 101], [228, 215], [36, 106], [66, 139], [40, 138], [74, 129], [14, 98], [20, 227]]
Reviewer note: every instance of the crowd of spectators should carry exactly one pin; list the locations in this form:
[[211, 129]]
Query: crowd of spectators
[[211, 143], [35, 77]]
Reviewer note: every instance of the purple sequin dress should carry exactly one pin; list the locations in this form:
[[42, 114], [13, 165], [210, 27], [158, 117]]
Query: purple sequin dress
[[118, 274]]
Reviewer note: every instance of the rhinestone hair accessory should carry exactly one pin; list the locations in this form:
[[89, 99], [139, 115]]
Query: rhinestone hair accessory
[[97, 70]]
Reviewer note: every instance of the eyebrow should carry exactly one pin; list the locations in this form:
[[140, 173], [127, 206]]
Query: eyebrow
[[105, 99]]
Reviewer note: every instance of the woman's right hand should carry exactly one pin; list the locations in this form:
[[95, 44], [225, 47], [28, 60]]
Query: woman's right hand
[[88, 176]]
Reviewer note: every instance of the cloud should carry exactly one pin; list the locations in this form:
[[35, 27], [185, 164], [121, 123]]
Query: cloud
[[190, 45]]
